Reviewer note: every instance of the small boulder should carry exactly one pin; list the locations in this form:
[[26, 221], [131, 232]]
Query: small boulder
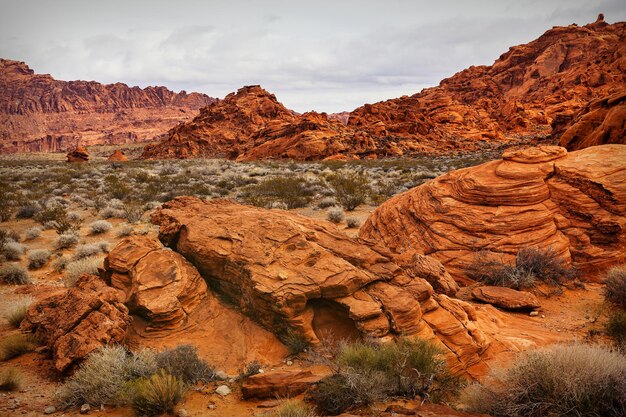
[[278, 384], [118, 156], [506, 298], [79, 154], [50, 409], [223, 390]]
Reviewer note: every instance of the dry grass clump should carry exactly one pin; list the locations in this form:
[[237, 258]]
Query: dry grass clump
[[66, 240], [615, 286], [292, 191], [293, 408], [75, 269], [13, 251], [353, 223], [125, 231], [32, 233], [368, 372], [616, 328], [532, 265], [91, 249], [100, 226], [157, 394], [576, 380], [16, 344], [10, 379], [335, 215], [17, 312], [184, 363], [38, 258], [14, 274]]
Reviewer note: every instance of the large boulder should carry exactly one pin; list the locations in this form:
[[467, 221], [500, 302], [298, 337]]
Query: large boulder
[[158, 284], [79, 321], [506, 298], [118, 156], [78, 154], [279, 384], [573, 203], [294, 273]]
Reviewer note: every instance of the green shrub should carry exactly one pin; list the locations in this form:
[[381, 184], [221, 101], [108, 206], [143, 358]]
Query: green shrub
[[184, 363], [616, 328], [38, 258], [351, 188], [17, 313], [615, 286], [157, 394], [292, 191], [577, 380], [293, 408], [368, 372], [16, 344], [10, 379], [14, 274], [532, 265]]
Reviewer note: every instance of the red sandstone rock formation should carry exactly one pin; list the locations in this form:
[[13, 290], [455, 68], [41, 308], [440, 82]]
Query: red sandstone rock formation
[[41, 114], [292, 272], [78, 154], [517, 97], [159, 285], [574, 203], [118, 156], [506, 298], [83, 319], [598, 123]]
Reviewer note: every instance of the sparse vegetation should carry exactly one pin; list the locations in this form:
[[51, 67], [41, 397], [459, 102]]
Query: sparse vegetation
[[367, 372], [13, 251], [251, 368], [183, 362], [335, 215], [16, 344], [353, 223], [576, 380], [100, 226], [17, 312], [10, 379], [351, 188], [292, 191], [615, 286], [616, 328], [14, 274], [532, 265], [157, 394], [293, 408], [75, 269], [295, 342], [32, 233], [38, 258], [66, 240]]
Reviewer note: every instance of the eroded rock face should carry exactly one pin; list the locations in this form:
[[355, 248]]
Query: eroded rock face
[[118, 156], [292, 272], [81, 320], [506, 298], [279, 384], [41, 114], [78, 154], [601, 122], [574, 203], [159, 284]]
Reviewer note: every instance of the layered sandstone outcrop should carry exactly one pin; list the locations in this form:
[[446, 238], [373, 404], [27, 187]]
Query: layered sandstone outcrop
[[159, 284], [79, 321], [506, 298], [550, 78], [574, 203], [293, 273], [41, 114], [600, 122], [78, 154]]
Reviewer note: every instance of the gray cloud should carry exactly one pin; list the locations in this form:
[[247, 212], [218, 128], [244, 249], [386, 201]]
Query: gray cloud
[[328, 56]]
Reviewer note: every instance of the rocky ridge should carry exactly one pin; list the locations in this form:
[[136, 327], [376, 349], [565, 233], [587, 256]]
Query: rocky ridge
[[41, 114]]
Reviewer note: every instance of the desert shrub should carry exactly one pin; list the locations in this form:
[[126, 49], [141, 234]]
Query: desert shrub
[[353, 222], [616, 328], [66, 240], [17, 312], [615, 286], [133, 211], [576, 380], [74, 216], [10, 379], [13, 251], [367, 372], [293, 408], [292, 191], [100, 226], [157, 394], [32, 233], [60, 263], [28, 211], [251, 368], [38, 258], [327, 202], [16, 344], [14, 274], [105, 376], [295, 342], [91, 249], [351, 188], [531, 265], [56, 216], [335, 215], [75, 269], [125, 231], [184, 363], [111, 212]]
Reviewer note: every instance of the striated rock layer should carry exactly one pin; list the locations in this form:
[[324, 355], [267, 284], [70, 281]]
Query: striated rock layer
[[293, 273], [78, 322], [574, 203], [41, 114], [600, 122], [519, 96]]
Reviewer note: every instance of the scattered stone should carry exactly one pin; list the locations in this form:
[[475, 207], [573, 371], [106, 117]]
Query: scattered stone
[[49, 409], [533, 313], [289, 363], [223, 390], [182, 413], [211, 406], [84, 409], [221, 375]]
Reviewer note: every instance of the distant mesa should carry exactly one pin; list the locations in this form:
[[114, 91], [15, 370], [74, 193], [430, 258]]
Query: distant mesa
[[41, 114]]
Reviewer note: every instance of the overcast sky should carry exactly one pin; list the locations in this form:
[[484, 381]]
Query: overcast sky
[[314, 55]]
